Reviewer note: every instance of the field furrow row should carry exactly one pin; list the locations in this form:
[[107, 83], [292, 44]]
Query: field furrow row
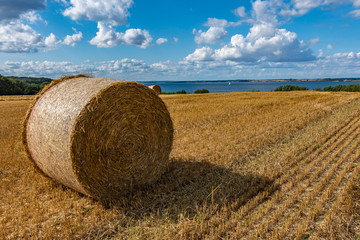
[[286, 125], [310, 206], [328, 225], [334, 185], [302, 183], [310, 151], [302, 166]]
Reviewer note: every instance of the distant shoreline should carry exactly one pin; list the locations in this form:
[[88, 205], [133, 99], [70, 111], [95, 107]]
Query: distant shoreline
[[266, 80]]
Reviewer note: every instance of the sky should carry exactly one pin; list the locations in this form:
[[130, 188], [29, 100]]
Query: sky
[[142, 40]]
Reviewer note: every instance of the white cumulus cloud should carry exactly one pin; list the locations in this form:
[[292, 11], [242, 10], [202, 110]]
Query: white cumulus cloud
[[216, 31], [108, 14], [114, 12], [137, 37], [16, 37], [200, 54], [16, 34], [277, 45], [31, 17], [211, 36], [298, 8], [107, 37], [265, 42], [301, 7], [52, 41], [71, 40], [160, 41], [240, 12]]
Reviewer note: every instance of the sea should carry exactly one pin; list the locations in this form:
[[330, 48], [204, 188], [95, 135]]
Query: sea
[[240, 85]]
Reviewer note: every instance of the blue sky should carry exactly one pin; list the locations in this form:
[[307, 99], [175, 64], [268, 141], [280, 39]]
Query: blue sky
[[180, 40]]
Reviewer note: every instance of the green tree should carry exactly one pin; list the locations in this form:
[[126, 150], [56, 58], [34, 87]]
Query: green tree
[[31, 89], [201, 91], [9, 88], [291, 88]]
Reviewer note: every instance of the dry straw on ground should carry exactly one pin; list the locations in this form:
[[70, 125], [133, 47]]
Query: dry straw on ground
[[257, 165], [156, 88], [100, 136]]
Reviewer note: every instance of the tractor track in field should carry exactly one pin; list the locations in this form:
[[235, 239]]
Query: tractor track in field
[[313, 182]]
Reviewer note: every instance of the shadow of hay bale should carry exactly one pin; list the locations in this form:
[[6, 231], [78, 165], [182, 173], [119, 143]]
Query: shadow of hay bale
[[187, 186]]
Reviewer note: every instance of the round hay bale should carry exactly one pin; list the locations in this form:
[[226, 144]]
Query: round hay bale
[[102, 137], [156, 88]]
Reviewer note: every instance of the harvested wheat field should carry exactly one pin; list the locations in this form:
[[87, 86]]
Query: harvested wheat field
[[243, 166]]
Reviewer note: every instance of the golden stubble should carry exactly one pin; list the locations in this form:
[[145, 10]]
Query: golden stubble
[[243, 166]]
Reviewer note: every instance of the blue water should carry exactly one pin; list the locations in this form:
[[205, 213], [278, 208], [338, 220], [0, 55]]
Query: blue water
[[213, 86]]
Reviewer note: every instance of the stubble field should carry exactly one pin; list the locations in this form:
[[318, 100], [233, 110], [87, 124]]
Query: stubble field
[[243, 166]]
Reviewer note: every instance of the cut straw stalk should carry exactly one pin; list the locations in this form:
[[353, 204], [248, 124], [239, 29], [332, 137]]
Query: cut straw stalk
[[101, 137]]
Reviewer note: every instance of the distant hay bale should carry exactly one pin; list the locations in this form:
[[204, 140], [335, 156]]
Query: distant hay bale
[[156, 88], [102, 137]]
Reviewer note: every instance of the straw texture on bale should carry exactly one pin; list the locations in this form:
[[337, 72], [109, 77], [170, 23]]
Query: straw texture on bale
[[156, 88], [102, 137]]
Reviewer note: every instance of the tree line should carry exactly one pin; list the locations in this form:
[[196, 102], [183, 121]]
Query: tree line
[[21, 85], [337, 88]]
